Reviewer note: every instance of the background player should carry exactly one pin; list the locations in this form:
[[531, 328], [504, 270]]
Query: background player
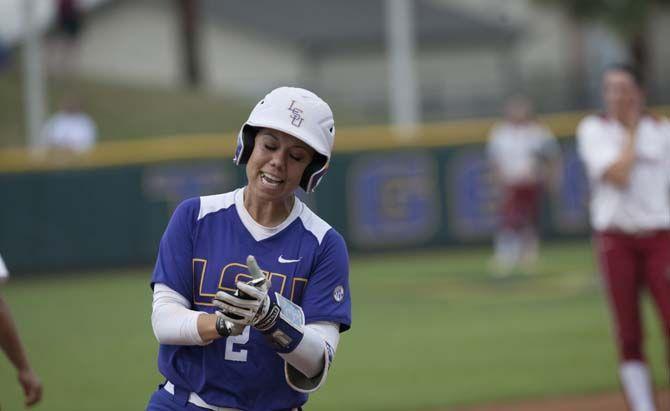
[[11, 345], [290, 329], [627, 156], [69, 131], [523, 155]]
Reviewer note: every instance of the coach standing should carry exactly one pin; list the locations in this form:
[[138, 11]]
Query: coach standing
[[627, 156]]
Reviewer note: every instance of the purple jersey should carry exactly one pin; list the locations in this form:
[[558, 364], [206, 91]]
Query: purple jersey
[[203, 250]]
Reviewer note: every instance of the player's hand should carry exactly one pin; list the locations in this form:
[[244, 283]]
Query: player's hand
[[630, 123], [244, 306], [32, 386], [226, 328], [630, 117], [258, 309], [270, 313], [238, 308]]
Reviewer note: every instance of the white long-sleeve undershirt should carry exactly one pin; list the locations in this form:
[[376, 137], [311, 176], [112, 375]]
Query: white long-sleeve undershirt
[[175, 323], [172, 320], [308, 357]]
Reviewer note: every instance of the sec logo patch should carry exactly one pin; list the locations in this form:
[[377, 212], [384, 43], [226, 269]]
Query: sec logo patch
[[338, 293]]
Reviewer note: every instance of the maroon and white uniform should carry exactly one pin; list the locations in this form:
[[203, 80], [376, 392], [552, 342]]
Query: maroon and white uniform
[[631, 224], [518, 153]]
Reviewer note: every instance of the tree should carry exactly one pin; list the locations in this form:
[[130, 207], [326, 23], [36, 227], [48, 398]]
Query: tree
[[628, 18], [189, 36]]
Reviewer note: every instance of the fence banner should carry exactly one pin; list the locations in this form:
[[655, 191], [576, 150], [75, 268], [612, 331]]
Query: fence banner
[[383, 199]]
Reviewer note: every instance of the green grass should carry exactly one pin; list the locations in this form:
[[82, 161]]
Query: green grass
[[430, 329]]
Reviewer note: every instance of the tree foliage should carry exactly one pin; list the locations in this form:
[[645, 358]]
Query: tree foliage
[[626, 17]]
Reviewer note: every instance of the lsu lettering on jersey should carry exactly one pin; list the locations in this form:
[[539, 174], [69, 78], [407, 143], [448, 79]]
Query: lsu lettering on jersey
[[203, 250]]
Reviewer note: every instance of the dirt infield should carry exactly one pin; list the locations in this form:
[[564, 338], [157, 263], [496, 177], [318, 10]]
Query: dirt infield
[[608, 401]]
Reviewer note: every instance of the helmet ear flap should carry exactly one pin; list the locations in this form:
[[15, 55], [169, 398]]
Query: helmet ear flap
[[245, 144], [314, 172]]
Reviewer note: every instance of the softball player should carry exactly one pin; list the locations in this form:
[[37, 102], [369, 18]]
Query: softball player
[[627, 158], [10, 343], [521, 152], [251, 288]]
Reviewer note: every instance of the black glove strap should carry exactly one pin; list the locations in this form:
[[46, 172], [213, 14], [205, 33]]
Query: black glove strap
[[266, 324], [222, 327]]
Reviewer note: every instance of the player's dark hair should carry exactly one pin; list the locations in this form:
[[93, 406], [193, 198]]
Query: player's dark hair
[[629, 69]]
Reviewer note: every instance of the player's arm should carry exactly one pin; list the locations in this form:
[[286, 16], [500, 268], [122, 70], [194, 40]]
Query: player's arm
[[619, 172], [308, 350], [281, 320], [174, 323], [307, 366], [172, 319], [600, 155], [11, 345]]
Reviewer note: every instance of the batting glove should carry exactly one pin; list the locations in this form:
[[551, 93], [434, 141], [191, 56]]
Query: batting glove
[[242, 308], [270, 313]]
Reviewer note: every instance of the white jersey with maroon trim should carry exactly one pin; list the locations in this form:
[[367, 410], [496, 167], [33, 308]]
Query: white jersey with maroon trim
[[518, 151], [642, 205]]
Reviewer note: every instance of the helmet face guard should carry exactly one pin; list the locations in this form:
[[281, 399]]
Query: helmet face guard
[[299, 113]]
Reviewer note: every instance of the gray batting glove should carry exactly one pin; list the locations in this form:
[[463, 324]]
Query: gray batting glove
[[243, 307]]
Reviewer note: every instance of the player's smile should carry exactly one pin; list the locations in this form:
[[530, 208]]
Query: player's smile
[[270, 179]]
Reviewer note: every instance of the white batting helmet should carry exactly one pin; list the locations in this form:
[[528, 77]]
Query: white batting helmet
[[297, 112]]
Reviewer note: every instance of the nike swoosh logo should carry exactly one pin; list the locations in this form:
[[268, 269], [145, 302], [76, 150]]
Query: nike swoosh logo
[[283, 260]]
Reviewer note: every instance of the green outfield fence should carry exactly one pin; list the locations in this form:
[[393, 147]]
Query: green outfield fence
[[110, 207]]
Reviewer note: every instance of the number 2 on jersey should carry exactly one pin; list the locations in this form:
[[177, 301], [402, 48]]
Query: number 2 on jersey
[[241, 355]]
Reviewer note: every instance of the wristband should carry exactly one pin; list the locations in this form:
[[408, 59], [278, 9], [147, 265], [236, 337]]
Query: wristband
[[222, 327], [284, 324]]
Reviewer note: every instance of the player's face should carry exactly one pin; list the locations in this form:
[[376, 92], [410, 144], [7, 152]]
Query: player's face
[[276, 164], [620, 93], [518, 111]]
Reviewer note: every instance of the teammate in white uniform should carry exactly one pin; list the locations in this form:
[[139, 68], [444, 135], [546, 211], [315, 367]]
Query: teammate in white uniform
[[627, 157], [70, 130], [523, 155], [10, 343]]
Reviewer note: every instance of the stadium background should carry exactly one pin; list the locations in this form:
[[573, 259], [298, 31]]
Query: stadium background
[[432, 329]]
